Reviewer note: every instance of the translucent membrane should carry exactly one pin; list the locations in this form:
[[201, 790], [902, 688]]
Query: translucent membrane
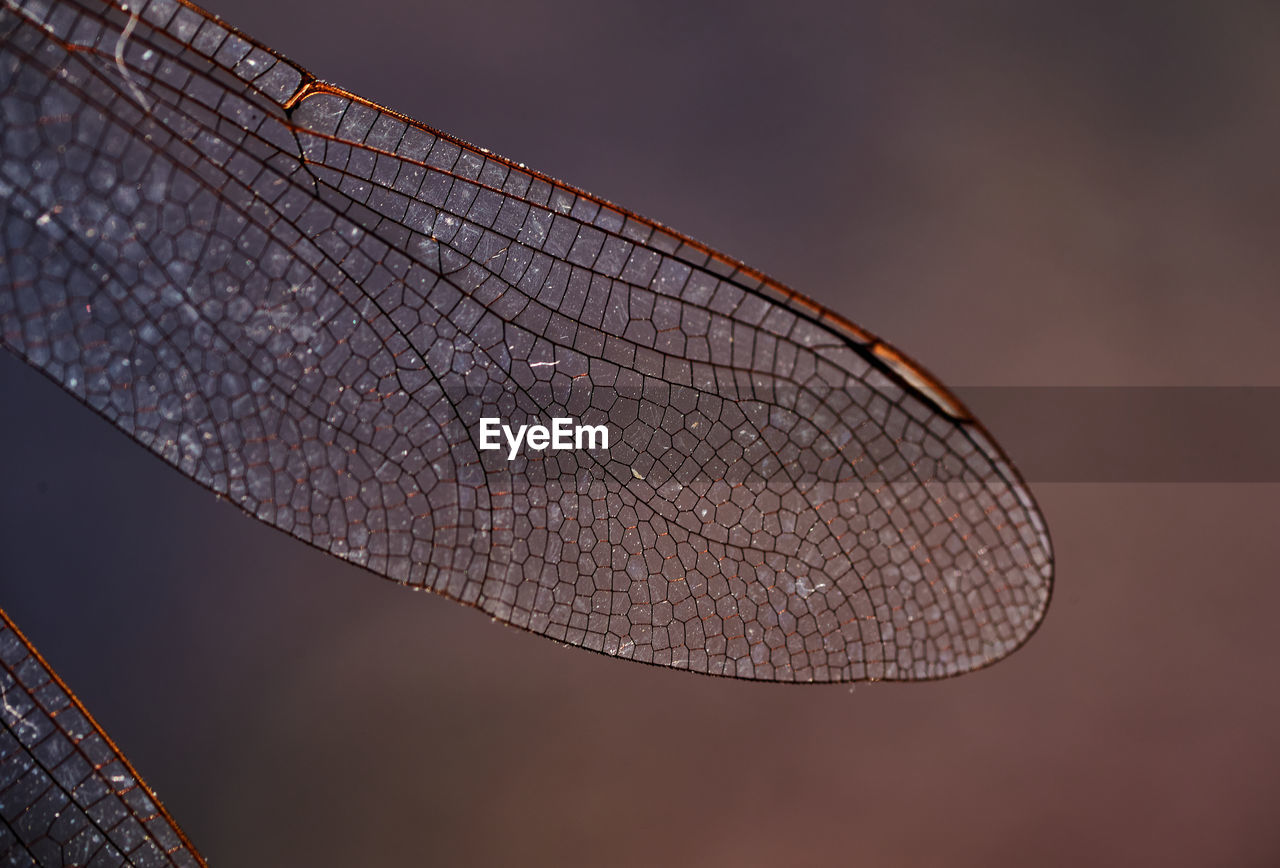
[[67, 794], [307, 303]]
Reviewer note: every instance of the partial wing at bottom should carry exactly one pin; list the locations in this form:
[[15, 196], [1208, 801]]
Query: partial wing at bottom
[[67, 794]]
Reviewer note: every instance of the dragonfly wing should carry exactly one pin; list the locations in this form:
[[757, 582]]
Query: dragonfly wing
[[308, 303], [67, 794]]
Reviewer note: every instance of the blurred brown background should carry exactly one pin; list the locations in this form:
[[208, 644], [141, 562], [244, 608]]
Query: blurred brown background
[[1025, 194]]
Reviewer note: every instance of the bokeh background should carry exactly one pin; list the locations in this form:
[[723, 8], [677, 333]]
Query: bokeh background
[[1018, 194]]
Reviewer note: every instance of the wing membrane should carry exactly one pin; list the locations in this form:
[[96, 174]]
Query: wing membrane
[[67, 795], [307, 303]]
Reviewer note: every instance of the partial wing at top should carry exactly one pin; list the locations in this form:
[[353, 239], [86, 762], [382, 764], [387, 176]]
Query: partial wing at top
[[308, 303]]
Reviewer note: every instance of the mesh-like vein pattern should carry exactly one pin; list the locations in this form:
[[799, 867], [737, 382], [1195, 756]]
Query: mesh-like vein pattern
[[307, 303], [67, 796]]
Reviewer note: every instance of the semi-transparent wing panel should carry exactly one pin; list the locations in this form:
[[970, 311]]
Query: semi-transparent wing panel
[[308, 303], [67, 795]]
